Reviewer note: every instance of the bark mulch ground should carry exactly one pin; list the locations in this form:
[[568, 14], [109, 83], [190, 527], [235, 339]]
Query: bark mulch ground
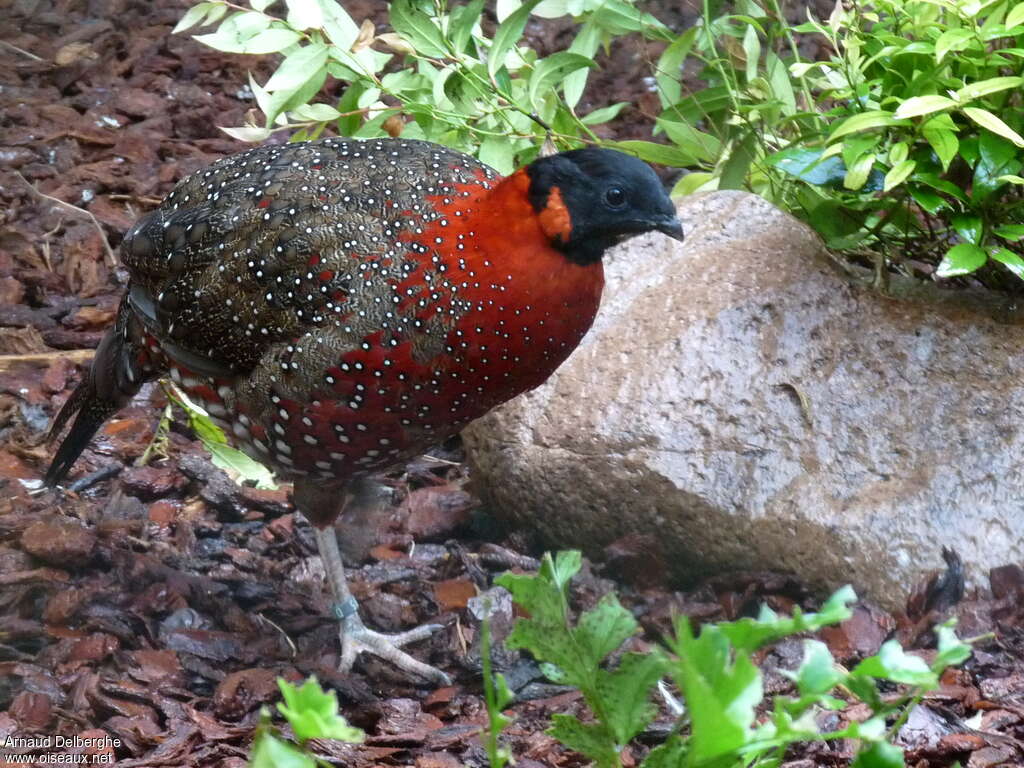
[[158, 604]]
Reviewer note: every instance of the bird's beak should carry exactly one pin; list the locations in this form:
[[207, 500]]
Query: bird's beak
[[670, 226]]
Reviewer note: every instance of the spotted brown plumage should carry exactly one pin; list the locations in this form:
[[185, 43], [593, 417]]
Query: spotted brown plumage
[[338, 306]]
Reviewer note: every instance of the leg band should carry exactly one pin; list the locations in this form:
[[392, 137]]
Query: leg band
[[345, 608]]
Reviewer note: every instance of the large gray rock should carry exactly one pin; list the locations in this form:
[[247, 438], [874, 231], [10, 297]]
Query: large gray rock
[[749, 406]]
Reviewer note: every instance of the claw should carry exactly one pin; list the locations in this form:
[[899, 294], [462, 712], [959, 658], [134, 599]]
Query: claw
[[356, 639]]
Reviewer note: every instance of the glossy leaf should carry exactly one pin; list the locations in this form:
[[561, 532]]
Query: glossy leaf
[[304, 14], [508, 32], [987, 120], [1008, 259], [939, 133], [865, 121], [981, 88], [417, 27], [193, 16], [898, 174], [298, 68], [668, 74], [962, 259], [916, 106]]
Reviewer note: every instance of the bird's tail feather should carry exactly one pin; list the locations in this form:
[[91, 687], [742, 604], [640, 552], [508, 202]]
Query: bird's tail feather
[[118, 370]]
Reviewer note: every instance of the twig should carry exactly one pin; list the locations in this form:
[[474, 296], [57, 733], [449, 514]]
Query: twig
[[428, 457], [77, 356], [147, 199], [674, 705], [22, 51], [89, 480], [295, 650], [68, 206]]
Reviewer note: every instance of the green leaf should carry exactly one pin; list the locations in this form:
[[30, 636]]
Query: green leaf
[[940, 135], [671, 754], [626, 694], [668, 73], [298, 67], [689, 183], [270, 752], [818, 672], [604, 114], [304, 14], [1015, 264], [952, 40], [212, 437], [417, 27], [313, 713], [981, 88], [752, 51], [809, 165], [987, 120], [193, 16], [962, 259], [952, 650], [928, 200], [251, 133], [699, 145], [236, 30], [879, 755], [319, 112], [751, 634], [654, 153], [916, 106], [898, 174], [589, 739], [720, 692], [550, 70], [996, 159], [586, 44], [865, 121], [1015, 16], [942, 185], [497, 152], [778, 78], [1010, 231], [857, 173], [891, 662], [603, 629], [969, 227], [735, 169], [271, 40], [464, 18], [506, 36]]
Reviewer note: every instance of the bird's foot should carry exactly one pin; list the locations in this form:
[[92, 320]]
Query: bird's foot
[[356, 639]]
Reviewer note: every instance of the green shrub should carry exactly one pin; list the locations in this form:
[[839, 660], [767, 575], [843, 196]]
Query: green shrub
[[313, 714], [720, 684], [907, 139], [489, 96]]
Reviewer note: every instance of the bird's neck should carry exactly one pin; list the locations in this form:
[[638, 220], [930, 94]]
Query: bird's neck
[[538, 303]]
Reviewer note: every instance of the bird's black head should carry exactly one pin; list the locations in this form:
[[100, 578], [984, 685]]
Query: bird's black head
[[590, 199]]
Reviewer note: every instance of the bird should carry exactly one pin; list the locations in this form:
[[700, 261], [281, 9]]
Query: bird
[[338, 306]]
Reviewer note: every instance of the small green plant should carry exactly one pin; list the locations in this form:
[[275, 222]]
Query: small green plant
[[237, 464], [312, 714], [714, 670], [906, 139], [497, 696], [490, 96]]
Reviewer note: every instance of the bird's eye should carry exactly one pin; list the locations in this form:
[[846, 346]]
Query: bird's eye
[[615, 197]]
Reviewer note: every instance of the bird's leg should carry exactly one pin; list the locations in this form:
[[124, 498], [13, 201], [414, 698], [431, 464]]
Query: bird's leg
[[355, 637]]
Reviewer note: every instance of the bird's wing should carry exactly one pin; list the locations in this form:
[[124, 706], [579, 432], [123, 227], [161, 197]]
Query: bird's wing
[[266, 246]]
